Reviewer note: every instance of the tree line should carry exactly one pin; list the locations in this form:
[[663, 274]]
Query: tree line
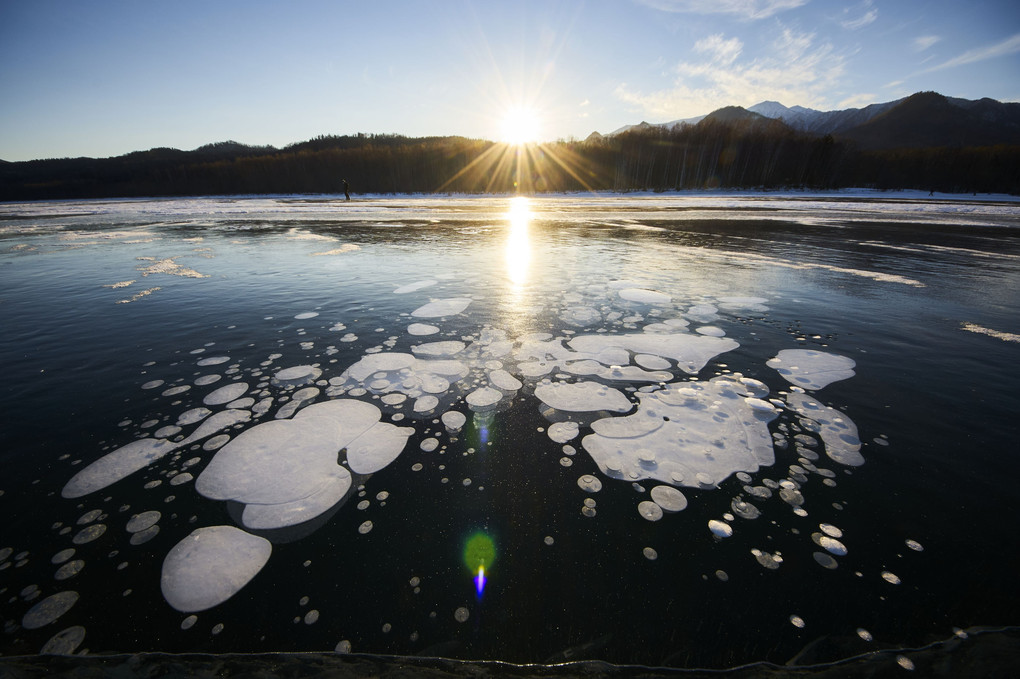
[[714, 154]]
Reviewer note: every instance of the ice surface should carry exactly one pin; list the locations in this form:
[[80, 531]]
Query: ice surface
[[412, 287], [698, 432], [211, 565], [811, 369]]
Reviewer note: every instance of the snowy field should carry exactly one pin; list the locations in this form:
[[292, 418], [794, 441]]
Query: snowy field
[[670, 429]]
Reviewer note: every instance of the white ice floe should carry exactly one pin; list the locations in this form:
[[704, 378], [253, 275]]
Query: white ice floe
[[117, 465], [691, 352], [211, 565], [694, 433], [421, 329], [811, 369]]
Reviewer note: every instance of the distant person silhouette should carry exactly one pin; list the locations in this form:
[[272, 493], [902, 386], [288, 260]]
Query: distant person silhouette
[[347, 190]]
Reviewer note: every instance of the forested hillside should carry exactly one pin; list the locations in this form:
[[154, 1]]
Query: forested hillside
[[730, 149]]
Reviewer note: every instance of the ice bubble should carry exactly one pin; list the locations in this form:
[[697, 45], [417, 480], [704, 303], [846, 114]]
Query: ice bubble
[[720, 529], [914, 545], [650, 553], [311, 617], [365, 527], [86, 535], [225, 394], [561, 432], [501, 379], [905, 662], [581, 316], [49, 609], [421, 329], [217, 628], [650, 362], [153, 384], [548, 540], [64, 642], [192, 416], [217, 422], [89, 517], [439, 349], [582, 397], [838, 431], [167, 431], [710, 331], [824, 560], [442, 307], [296, 375], [215, 443], [743, 303], [189, 622], [206, 380], [413, 287], [891, 578], [453, 420], [426, 404], [58, 558], [174, 391], [116, 465], [649, 511], [769, 561], [722, 575], [669, 498], [864, 634], [211, 565], [213, 360], [69, 569], [811, 369], [644, 296], [831, 545], [143, 536], [744, 510], [461, 614], [589, 483], [691, 352], [797, 621], [306, 315], [140, 522], [702, 431], [483, 397], [830, 530]]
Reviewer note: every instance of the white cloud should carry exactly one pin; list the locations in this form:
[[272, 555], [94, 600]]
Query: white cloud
[[796, 70], [747, 9], [868, 17], [720, 50], [1008, 46], [923, 42], [856, 101]]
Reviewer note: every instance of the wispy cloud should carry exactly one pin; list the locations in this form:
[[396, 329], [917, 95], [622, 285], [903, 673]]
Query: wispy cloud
[[796, 70], [923, 42], [868, 17], [747, 9], [1008, 46]]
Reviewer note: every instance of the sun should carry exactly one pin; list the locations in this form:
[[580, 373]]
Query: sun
[[521, 125]]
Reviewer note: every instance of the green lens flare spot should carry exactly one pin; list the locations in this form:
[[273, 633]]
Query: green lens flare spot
[[479, 551]]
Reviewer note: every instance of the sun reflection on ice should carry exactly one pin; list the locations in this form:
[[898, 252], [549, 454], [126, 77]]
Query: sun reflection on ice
[[518, 243]]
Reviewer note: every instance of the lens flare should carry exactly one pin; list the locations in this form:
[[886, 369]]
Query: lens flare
[[479, 553], [480, 580]]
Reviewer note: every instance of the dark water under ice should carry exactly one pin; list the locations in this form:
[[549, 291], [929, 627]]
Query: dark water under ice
[[921, 295]]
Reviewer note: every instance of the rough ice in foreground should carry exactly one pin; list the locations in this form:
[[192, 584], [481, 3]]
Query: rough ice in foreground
[[811, 369], [695, 432], [838, 432], [211, 565], [582, 397], [442, 307]]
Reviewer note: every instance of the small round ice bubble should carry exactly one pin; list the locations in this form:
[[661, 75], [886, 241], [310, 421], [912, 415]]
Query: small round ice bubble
[[589, 483], [720, 529], [649, 510], [461, 614], [669, 498]]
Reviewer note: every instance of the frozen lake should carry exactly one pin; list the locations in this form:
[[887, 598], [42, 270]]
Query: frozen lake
[[670, 430]]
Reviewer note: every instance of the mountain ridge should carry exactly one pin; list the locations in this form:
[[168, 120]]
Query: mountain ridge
[[919, 120]]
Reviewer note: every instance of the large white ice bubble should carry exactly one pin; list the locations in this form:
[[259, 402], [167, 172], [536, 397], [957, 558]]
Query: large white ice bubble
[[581, 397], [226, 394], [211, 565], [838, 432], [379, 446], [117, 465], [644, 296], [442, 307], [697, 433], [691, 352], [811, 369]]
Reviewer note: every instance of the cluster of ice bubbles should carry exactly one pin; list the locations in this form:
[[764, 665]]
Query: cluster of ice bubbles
[[637, 393]]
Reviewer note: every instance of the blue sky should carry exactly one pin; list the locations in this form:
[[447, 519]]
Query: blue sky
[[103, 77]]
